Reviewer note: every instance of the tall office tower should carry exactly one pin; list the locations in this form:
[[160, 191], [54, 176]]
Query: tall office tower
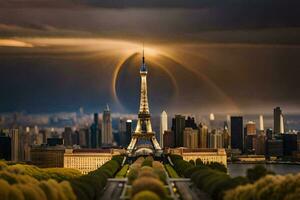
[[122, 125], [203, 134], [281, 124], [250, 128], [26, 144], [5, 148], [82, 137], [250, 136], [269, 134], [226, 138], [67, 136], [215, 140], [277, 120], [260, 144], [94, 138], [261, 123], [15, 144], [178, 125], [128, 132], [212, 122], [237, 136], [163, 127], [190, 139], [107, 138], [169, 139]]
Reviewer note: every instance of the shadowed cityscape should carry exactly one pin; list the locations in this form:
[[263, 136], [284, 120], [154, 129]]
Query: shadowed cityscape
[[149, 99]]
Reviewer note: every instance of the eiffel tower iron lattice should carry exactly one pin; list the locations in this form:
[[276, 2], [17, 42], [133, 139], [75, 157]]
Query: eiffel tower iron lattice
[[143, 136]]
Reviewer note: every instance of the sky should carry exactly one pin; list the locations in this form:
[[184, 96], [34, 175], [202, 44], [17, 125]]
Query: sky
[[221, 56]]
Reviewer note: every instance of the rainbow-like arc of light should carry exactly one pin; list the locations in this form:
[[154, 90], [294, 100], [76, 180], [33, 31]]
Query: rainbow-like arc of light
[[128, 49]]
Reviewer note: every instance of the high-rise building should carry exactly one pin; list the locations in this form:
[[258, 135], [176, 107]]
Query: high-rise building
[[203, 134], [261, 123], [26, 145], [277, 120], [94, 139], [281, 124], [15, 144], [168, 139], [190, 122], [178, 125], [5, 148], [237, 135], [226, 138], [212, 122], [107, 138], [128, 131], [190, 138], [163, 127], [250, 135], [289, 143], [260, 144], [67, 136]]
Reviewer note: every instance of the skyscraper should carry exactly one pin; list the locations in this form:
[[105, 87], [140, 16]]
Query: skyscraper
[[250, 136], [261, 123], [94, 139], [15, 144], [107, 138], [277, 120], [178, 125], [190, 138], [237, 136], [163, 127], [203, 136]]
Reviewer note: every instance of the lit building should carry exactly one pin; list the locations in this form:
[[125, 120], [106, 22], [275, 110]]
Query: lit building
[[215, 140], [107, 138], [87, 160], [190, 138], [212, 121], [237, 136], [203, 136], [261, 123], [206, 155], [250, 136], [163, 127]]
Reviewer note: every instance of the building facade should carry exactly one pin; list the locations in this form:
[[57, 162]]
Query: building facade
[[206, 155], [87, 160]]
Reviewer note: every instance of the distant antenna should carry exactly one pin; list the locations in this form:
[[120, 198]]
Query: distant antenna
[[143, 54]]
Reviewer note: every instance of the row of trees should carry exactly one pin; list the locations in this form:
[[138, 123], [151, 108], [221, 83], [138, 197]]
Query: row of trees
[[147, 178], [269, 187], [18, 184], [90, 186], [211, 178]]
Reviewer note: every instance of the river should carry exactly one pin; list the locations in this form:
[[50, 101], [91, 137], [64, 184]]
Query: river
[[240, 169]]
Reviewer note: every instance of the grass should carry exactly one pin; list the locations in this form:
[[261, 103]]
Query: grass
[[123, 172], [172, 173]]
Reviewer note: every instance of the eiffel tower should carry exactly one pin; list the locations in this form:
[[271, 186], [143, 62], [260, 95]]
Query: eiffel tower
[[143, 139]]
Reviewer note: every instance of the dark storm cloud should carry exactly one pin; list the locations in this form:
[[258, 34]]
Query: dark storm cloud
[[246, 48]]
